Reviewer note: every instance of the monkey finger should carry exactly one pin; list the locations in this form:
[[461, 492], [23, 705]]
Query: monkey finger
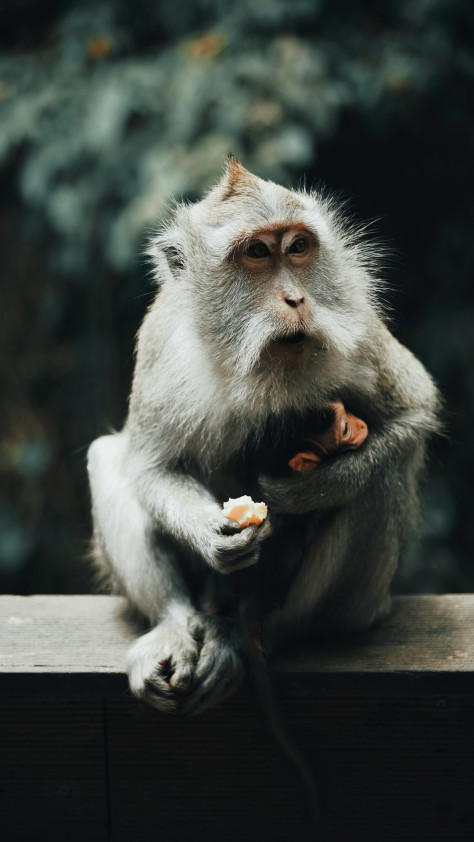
[[231, 527], [148, 682], [245, 543], [244, 537], [238, 562], [264, 530], [177, 670]]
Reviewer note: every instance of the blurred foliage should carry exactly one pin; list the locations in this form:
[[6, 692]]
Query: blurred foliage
[[109, 109]]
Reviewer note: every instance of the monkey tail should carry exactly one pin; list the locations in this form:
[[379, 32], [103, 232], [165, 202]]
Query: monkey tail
[[274, 716]]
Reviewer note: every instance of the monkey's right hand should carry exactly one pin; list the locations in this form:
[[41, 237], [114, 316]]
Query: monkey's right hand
[[227, 548]]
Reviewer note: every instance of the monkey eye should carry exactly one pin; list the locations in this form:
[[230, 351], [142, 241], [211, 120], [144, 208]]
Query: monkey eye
[[299, 246], [345, 428], [257, 250]]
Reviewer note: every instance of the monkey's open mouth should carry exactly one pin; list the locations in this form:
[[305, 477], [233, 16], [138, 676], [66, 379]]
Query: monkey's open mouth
[[291, 338]]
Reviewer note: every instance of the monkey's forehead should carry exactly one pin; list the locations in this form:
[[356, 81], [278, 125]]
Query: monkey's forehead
[[237, 217]]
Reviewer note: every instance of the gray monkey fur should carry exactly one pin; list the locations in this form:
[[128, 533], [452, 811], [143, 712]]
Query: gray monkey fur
[[205, 384]]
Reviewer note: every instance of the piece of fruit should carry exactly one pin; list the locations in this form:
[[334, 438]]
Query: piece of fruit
[[245, 511]]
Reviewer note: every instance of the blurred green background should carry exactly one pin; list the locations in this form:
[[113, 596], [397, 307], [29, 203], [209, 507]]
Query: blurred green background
[[109, 109]]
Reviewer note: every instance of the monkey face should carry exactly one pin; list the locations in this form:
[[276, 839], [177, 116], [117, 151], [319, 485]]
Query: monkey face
[[276, 261], [274, 279]]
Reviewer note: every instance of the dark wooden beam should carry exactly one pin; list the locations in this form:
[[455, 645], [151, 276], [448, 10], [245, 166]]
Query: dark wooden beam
[[386, 720]]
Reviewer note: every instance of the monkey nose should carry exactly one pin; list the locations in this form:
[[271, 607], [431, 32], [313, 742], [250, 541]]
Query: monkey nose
[[294, 300]]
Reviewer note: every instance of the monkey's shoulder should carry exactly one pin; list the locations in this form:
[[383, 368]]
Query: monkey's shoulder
[[400, 383]]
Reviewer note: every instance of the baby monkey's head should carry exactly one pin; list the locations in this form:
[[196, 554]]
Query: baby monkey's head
[[272, 276]]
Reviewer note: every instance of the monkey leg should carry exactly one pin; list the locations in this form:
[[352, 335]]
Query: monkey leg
[[343, 581], [140, 566], [188, 660]]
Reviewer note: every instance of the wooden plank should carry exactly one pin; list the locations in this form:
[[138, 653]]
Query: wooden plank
[[388, 769], [425, 646], [52, 770], [77, 644], [63, 644], [385, 718]]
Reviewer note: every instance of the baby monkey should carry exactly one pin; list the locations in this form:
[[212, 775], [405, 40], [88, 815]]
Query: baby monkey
[[345, 433], [266, 313]]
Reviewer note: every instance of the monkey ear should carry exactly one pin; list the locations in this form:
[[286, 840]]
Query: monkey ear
[[167, 255], [174, 258]]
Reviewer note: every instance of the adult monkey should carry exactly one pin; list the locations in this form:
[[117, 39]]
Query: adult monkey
[[266, 313]]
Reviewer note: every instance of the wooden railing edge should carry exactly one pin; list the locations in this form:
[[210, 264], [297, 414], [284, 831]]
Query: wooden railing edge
[[76, 645]]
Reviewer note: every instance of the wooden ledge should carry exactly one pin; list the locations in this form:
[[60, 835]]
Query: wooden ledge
[[385, 719], [76, 645]]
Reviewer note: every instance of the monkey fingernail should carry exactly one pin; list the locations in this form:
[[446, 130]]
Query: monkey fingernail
[[230, 528]]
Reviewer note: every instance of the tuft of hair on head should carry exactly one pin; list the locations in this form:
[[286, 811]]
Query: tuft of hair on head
[[235, 178], [235, 181]]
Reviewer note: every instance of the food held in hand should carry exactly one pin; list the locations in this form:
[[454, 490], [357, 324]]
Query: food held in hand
[[245, 511]]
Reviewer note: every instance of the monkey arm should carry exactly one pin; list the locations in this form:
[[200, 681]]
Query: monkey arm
[[408, 402], [344, 476], [124, 545], [177, 502], [182, 508]]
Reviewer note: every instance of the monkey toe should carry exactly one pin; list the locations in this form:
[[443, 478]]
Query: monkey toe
[[166, 669], [218, 673], [207, 692], [183, 675], [161, 665], [158, 694], [197, 627]]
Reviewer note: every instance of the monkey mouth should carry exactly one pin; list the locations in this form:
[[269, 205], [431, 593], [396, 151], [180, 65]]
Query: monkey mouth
[[294, 339]]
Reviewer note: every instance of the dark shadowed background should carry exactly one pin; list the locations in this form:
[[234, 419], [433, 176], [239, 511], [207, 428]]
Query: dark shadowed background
[[109, 109]]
